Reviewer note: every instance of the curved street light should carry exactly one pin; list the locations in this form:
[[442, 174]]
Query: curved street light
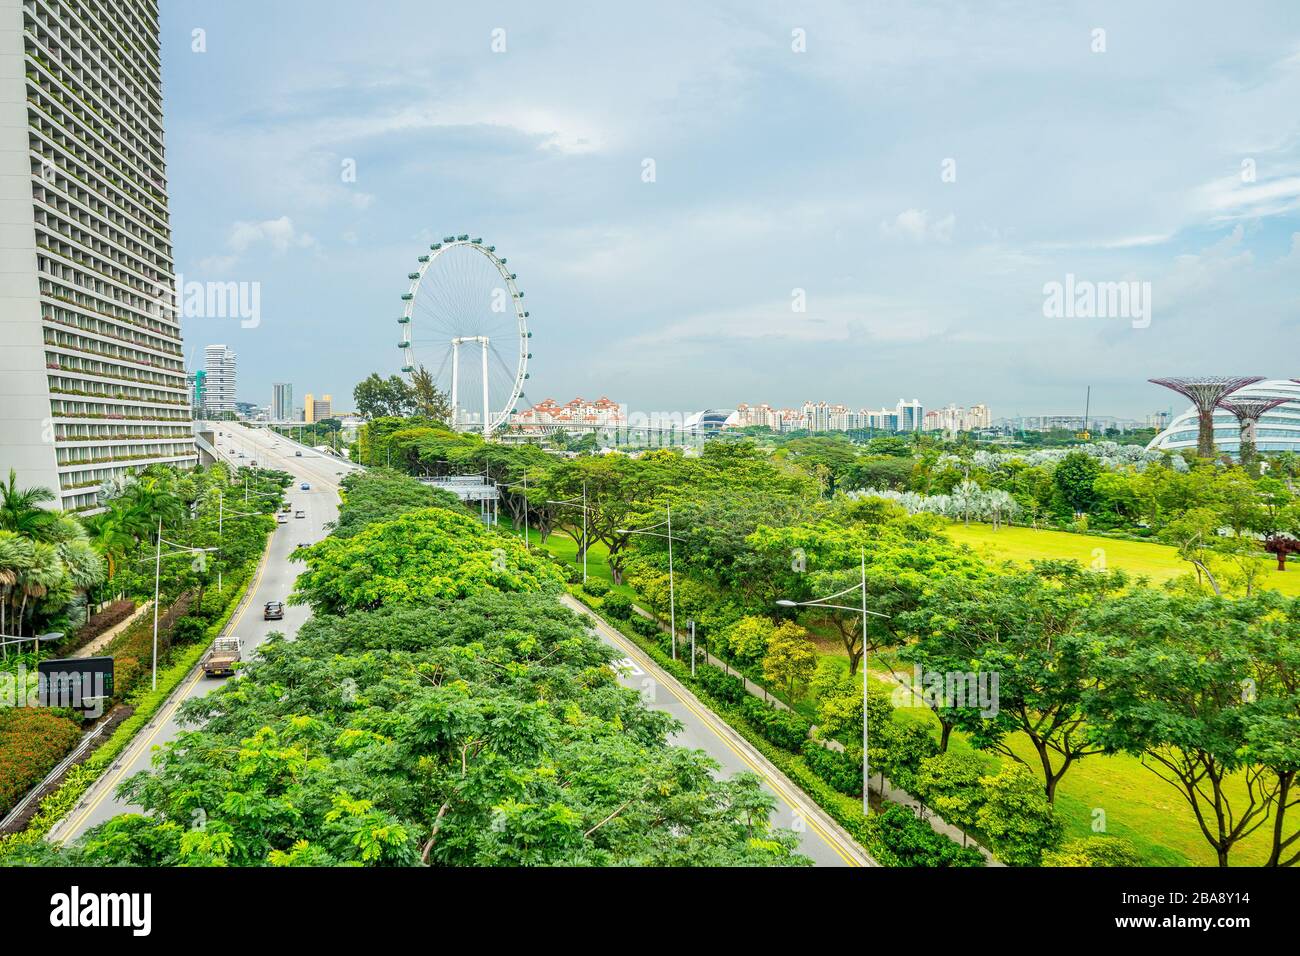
[[862, 609], [672, 592]]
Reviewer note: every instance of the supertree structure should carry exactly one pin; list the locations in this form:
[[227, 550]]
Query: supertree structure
[[1206, 392], [1249, 410]]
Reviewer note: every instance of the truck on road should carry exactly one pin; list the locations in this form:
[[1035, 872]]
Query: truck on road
[[221, 660]]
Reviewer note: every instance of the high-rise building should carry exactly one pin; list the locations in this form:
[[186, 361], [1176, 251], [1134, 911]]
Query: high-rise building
[[281, 402], [316, 409], [92, 378], [196, 383], [911, 415], [219, 386]]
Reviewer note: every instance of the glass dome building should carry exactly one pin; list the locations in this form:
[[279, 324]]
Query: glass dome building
[[1279, 429], [711, 421]]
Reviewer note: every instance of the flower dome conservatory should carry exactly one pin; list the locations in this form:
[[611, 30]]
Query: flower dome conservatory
[[1278, 430]]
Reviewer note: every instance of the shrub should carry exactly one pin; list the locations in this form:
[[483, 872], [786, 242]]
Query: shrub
[[721, 685], [189, 629], [1016, 816], [596, 587], [898, 749], [99, 623], [841, 769], [126, 671], [646, 627], [618, 606], [784, 728], [1093, 851], [914, 843], [32, 741], [949, 784]]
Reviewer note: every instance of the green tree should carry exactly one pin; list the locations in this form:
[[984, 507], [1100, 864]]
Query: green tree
[[416, 558], [1016, 816], [790, 660], [1027, 633], [1180, 683], [1074, 479], [376, 397]]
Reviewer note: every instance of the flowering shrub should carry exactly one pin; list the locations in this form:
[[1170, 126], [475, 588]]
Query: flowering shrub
[[32, 741]]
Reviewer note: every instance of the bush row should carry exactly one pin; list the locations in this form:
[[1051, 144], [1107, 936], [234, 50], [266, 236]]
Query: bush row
[[32, 741], [146, 702], [99, 623], [896, 842]]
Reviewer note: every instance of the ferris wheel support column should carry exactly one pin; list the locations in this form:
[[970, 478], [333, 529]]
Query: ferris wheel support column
[[487, 411], [455, 380]]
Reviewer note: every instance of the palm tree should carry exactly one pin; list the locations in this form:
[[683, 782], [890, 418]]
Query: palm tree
[[45, 574], [16, 556], [20, 509], [83, 568], [113, 533]]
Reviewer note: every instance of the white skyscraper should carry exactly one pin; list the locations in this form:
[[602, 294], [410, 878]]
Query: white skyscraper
[[219, 386], [92, 379]]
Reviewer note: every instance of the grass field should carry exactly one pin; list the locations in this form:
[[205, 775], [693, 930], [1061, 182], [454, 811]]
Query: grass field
[[1138, 806], [1159, 562]]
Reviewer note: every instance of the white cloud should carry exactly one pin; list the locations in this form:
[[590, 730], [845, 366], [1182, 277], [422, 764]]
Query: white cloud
[[280, 234], [915, 225]]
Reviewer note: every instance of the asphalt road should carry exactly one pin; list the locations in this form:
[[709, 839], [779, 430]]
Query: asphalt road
[[273, 581], [820, 838]]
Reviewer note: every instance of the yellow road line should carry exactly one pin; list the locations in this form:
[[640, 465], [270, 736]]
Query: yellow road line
[[165, 717], [707, 719]]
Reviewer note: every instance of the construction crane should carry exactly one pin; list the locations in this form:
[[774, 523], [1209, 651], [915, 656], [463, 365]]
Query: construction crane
[[1086, 435]]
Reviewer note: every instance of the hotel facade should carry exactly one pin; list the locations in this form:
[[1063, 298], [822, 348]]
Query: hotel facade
[[92, 378]]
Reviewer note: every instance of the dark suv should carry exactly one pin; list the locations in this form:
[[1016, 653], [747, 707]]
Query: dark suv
[[274, 611]]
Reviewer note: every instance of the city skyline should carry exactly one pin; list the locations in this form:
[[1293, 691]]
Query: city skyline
[[840, 180]]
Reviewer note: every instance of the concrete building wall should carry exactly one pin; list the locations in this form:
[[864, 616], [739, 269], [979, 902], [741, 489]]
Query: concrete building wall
[[26, 442]]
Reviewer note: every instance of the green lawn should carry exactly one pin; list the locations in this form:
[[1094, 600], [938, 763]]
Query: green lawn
[[1139, 807], [1159, 562], [566, 549]]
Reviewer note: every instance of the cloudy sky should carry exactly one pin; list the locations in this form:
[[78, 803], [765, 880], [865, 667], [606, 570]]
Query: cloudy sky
[[921, 171]]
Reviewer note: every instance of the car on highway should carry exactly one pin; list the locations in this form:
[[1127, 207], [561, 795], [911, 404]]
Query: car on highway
[[297, 454], [300, 513], [302, 544], [274, 611], [305, 486], [282, 518]]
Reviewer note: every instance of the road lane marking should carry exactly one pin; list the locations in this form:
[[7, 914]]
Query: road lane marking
[[708, 720], [138, 750]]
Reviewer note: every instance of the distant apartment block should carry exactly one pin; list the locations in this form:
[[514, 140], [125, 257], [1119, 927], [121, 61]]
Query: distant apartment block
[[281, 402], [219, 364], [92, 379], [579, 412], [316, 409], [955, 418]]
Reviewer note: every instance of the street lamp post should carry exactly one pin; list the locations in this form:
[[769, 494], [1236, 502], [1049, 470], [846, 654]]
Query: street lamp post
[[692, 625], [573, 503], [672, 590], [862, 609], [9, 640], [157, 577], [514, 484]]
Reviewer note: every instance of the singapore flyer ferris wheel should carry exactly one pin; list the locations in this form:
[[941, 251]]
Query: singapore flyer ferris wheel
[[464, 322]]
